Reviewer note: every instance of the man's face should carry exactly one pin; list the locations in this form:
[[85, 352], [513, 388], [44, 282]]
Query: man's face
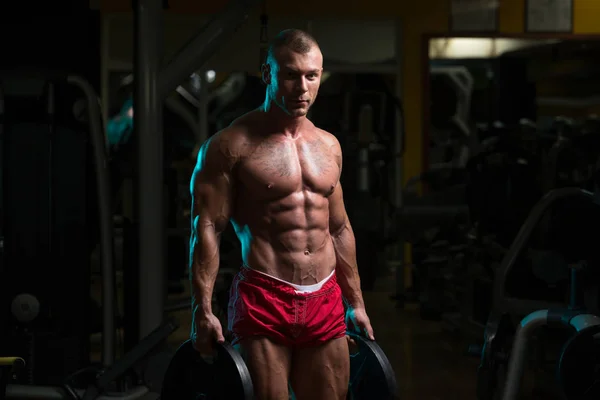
[[293, 81]]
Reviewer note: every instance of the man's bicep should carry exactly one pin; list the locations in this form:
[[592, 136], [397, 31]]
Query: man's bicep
[[338, 218]]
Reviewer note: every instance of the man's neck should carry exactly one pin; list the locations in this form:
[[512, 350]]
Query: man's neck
[[282, 122]]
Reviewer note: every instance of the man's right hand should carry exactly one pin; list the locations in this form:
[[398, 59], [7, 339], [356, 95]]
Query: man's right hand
[[206, 331]]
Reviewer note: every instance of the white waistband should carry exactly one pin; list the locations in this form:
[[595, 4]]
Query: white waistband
[[300, 288]]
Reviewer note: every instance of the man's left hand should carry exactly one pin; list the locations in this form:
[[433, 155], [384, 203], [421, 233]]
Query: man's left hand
[[357, 317]]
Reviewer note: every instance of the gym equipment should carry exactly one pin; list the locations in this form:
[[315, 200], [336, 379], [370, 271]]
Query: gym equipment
[[518, 307], [8, 367], [451, 91], [46, 219], [494, 355], [27, 307], [94, 384], [189, 376], [425, 222], [578, 371], [1, 179], [506, 311], [371, 374], [586, 326], [225, 377], [501, 188]]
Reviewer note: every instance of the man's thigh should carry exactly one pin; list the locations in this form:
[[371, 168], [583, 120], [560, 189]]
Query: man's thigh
[[321, 372], [269, 364]]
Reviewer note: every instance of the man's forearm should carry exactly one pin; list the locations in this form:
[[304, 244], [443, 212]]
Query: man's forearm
[[346, 266], [204, 266]]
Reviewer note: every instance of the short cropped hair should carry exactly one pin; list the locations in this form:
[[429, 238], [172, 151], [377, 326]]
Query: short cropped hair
[[296, 40]]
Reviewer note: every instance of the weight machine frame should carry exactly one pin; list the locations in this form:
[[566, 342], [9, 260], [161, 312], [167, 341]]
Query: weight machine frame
[[526, 314], [502, 303], [525, 330]]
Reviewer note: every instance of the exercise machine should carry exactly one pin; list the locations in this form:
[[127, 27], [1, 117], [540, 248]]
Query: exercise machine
[[499, 348]]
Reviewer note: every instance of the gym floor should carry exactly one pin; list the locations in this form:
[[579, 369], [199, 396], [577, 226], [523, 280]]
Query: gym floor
[[429, 363]]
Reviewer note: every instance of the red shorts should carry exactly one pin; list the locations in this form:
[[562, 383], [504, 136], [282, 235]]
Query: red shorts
[[260, 305]]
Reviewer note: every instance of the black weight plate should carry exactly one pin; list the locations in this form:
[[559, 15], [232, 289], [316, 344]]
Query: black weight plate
[[371, 374], [578, 369], [189, 376]]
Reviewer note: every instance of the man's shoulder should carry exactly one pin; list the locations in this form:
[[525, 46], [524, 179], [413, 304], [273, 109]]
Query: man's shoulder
[[236, 139], [328, 138], [225, 148]]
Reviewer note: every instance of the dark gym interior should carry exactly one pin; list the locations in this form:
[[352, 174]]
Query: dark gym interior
[[470, 132]]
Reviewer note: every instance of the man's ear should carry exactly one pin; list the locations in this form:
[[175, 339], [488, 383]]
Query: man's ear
[[265, 71]]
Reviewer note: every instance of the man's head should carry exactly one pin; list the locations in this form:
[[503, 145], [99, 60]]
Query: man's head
[[292, 71]]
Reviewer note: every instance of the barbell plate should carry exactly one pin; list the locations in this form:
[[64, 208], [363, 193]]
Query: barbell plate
[[371, 374], [578, 369], [189, 376]]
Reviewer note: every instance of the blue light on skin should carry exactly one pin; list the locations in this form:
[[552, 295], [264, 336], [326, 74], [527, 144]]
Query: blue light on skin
[[242, 231], [351, 321], [245, 237]]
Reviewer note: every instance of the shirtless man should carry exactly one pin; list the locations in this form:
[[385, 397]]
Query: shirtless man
[[275, 176]]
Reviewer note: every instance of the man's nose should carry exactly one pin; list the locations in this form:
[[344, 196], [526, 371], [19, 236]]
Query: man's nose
[[303, 85]]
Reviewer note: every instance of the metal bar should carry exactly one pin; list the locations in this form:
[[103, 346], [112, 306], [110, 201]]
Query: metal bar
[[518, 354], [203, 45], [148, 133], [584, 321], [399, 121], [403, 270], [51, 122], [106, 219], [105, 67], [31, 392], [2, 167]]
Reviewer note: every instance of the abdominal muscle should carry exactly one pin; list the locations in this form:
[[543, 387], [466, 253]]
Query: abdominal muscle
[[291, 243]]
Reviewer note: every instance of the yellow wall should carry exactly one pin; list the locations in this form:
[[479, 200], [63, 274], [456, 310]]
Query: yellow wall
[[432, 16], [585, 14]]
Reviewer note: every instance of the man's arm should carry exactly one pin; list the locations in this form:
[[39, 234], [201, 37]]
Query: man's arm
[[344, 242], [345, 249], [212, 196]]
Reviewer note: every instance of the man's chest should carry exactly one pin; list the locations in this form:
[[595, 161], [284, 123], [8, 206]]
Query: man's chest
[[284, 167]]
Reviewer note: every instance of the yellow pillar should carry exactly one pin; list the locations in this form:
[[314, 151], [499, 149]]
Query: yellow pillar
[[511, 15], [418, 18], [585, 16]]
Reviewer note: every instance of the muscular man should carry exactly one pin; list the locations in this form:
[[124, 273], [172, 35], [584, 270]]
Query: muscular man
[[275, 176]]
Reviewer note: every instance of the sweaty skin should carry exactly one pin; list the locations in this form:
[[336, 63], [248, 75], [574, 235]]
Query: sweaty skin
[[276, 178]]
